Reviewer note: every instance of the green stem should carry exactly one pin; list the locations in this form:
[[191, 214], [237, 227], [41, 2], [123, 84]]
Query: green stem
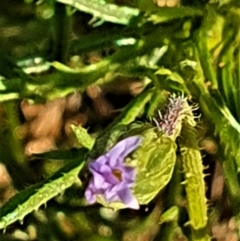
[[13, 122], [194, 183], [200, 235], [233, 186], [61, 32], [173, 198], [231, 176]]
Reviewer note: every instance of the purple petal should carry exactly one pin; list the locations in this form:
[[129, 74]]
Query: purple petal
[[110, 195], [90, 194], [123, 148], [110, 178], [105, 174], [104, 169], [112, 159], [128, 173], [119, 186], [128, 199], [91, 198], [96, 165], [99, 181], [102, 159]]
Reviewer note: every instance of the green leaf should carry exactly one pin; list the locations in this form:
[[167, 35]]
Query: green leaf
[[170, 215], [173, 80], [154, 160], [64, 68], [103, 10], [135, 108], [158, 99], [83, 137], [163, 71], [226, 125], [33, 197], [169, 14]]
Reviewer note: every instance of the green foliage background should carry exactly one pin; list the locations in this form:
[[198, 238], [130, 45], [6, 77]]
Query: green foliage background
[[193, 49]]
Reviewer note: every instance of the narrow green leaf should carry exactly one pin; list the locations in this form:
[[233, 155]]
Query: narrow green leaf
[[169, 14], [158, 99], [226, 125], [170, 215], [205, 57], [33, 197], [135, 108], [103, 10], [83, 137]]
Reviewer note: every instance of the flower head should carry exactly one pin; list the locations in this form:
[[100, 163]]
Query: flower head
[[112, 179], [172, 115]]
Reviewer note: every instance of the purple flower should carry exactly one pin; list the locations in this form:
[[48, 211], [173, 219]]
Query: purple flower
[[112, 179]]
